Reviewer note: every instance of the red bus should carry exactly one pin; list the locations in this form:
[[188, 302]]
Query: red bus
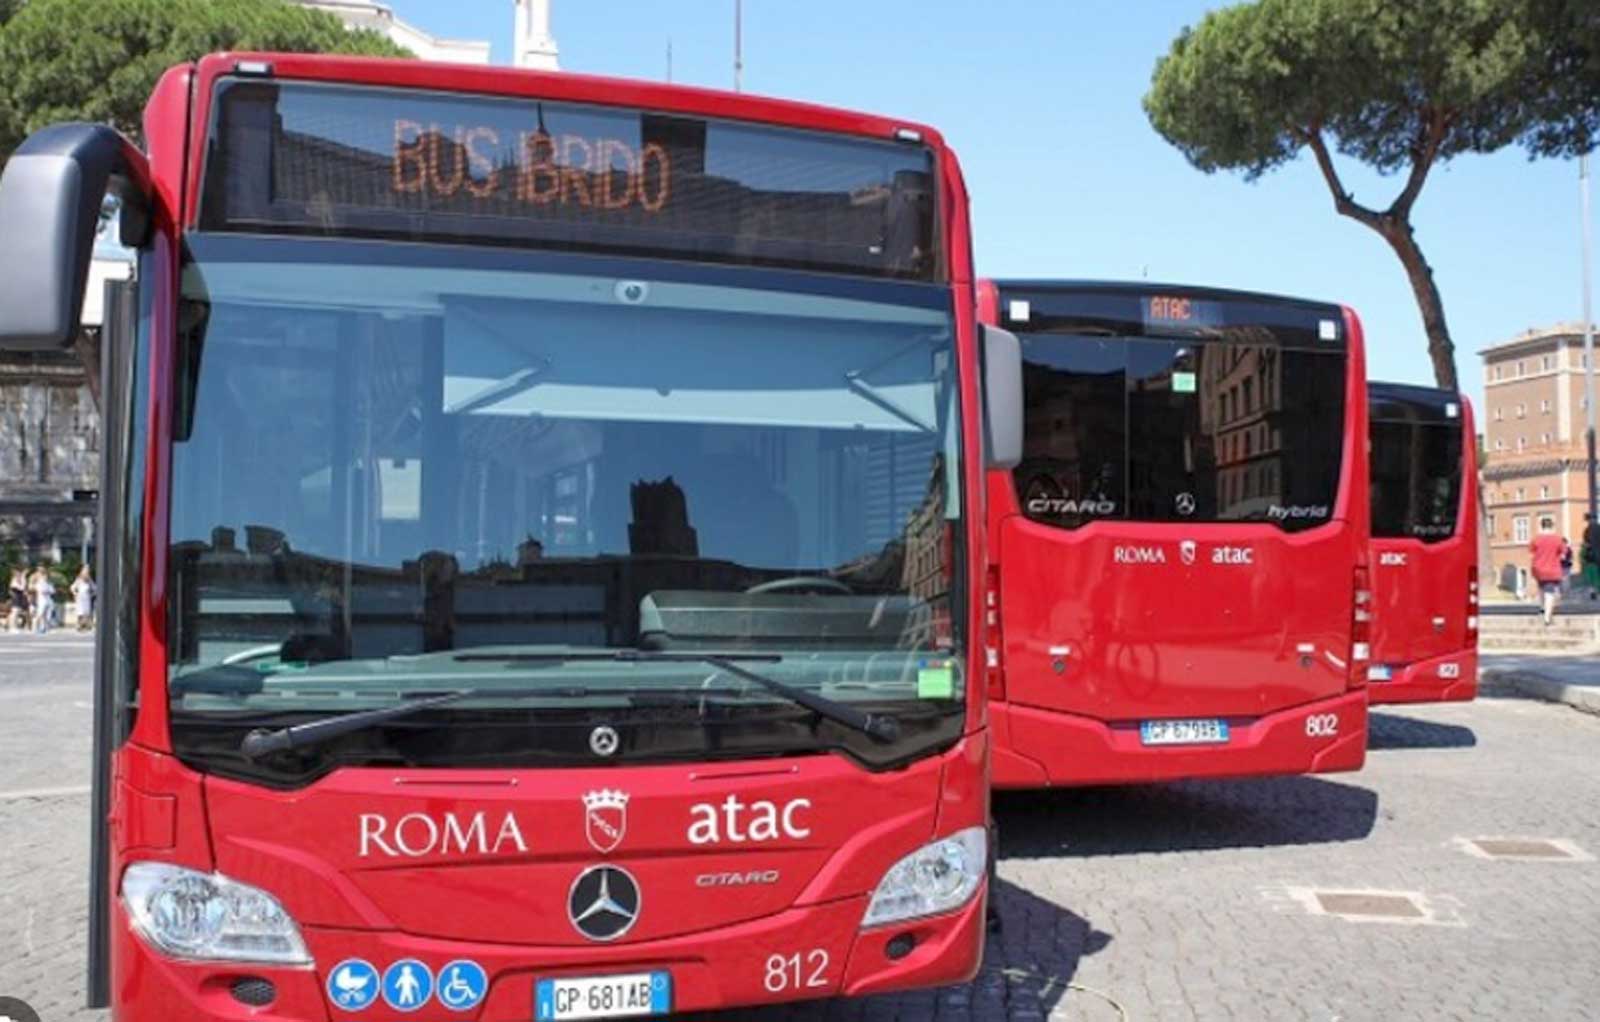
[[1424, 545], [539, 518], [1179, 563]]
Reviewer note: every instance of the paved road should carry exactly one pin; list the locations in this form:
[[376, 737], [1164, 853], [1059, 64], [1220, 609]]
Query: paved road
[[1188, 901]]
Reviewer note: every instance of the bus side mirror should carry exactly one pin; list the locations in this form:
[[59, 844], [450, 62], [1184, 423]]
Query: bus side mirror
[[50, 199], [1002, 396]]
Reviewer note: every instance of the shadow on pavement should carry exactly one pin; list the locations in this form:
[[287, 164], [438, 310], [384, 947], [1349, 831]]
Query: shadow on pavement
[[1027, 971], [1392, 731], [1184, 816]]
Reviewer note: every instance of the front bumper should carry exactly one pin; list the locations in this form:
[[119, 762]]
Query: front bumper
[[1452, 678], [1036, 748], [722, 968]]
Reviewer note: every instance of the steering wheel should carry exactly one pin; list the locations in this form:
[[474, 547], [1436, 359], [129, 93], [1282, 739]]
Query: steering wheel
[[783, 585]]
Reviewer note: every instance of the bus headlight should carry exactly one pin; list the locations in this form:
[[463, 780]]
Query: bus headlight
[[935, 878], [189, 914]]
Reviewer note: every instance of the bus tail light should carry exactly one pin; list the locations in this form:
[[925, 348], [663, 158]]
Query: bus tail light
[[1361, 625], [1472, 606], [994, 637]]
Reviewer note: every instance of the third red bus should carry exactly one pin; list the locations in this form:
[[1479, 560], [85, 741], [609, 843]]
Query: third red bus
[[1424, 546]]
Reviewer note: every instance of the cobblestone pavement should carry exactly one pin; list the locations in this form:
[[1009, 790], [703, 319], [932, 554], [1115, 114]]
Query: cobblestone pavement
[[1186, 901]]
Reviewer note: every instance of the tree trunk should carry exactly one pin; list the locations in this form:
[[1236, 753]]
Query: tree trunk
[[1398, 233]]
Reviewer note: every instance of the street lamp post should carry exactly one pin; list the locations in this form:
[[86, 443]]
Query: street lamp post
[[738, 45], [1588, 325]]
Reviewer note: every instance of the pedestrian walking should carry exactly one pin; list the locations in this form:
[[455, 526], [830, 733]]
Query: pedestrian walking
[[17, 618], [44, 600], [1549, 550], [1590, 555], [83, 593]]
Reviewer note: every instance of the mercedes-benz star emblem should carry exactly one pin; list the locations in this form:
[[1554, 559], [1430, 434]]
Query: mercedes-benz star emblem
[[1185, 503], [603, 741], [604, 902]]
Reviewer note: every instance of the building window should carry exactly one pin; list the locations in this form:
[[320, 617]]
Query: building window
[[1522, 410], [1490, 519], [1519, 528], [1499, 415], [1547, 523], [1544, 493], [1548, 362], [1544, 438], [1522, 443], [1519, 493], [1520, 367], [1544, 406]]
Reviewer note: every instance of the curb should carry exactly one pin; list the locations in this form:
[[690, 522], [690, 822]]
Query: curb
[[1537, 686]]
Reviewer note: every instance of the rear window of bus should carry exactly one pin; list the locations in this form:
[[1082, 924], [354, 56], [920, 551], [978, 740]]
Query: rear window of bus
[[1172, 408], [1416, 465]]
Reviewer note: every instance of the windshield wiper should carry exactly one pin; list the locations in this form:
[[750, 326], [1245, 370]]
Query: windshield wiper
[[264, 742], [879, 726]]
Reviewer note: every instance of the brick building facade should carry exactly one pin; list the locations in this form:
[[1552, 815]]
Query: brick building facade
[[1535, 460]]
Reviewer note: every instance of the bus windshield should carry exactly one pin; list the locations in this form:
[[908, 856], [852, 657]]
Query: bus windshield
[[1416, 463], [389, 455], [1160, 409]]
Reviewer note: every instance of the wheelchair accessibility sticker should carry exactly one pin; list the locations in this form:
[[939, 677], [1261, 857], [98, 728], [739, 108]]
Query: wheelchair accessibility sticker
[[462, 985]]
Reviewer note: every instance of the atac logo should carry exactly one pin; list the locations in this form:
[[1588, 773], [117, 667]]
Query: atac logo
[[1187, 550], [1392, 559], [605, 818]]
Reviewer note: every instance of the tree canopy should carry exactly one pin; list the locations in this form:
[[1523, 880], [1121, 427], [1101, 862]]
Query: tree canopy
[[1400, 85], [70, 60]]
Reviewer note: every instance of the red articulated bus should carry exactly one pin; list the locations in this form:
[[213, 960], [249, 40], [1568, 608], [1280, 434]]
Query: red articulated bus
[[539, 519], [1424, 546], [1179, 563]]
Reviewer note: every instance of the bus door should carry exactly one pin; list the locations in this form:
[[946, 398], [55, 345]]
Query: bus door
[[1424, 543], [116, 572]]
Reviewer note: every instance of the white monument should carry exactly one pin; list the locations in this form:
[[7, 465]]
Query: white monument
[[532, 45], [380, 18]]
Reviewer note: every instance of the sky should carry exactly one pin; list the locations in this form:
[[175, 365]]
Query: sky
[[1041, 101]]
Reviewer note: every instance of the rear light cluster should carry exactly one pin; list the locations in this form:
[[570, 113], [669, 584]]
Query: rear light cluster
[[1472, 606], [994, 639], [1361, 624]]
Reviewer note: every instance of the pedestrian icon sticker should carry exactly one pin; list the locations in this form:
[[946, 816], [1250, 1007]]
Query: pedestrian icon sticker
[[353, 985], [407, 985], [462, 985]]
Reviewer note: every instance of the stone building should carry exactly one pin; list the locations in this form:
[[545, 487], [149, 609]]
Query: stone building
[[50, 437], [1533, 420]]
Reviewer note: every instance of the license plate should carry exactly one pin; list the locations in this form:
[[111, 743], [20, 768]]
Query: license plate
[[630, 995], [1183, 732], [1379, 672]]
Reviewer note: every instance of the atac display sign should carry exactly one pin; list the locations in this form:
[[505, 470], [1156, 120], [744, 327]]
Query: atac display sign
[[300, 157]]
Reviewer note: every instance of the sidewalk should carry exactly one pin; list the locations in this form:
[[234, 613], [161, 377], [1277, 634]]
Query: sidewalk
[[1560, 678]]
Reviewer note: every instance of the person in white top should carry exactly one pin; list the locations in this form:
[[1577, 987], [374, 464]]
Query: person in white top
[[83, 593], [44, 601]]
